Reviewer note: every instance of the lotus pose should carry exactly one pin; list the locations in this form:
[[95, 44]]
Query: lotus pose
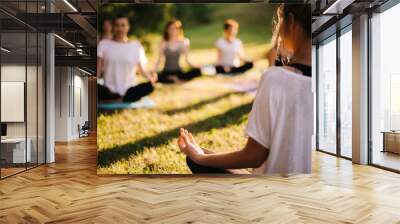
[[230, 51], [172, 47], [280, 123], [119, 59]]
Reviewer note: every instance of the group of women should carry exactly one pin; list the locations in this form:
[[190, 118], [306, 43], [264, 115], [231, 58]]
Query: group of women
[[119, 58], [280, 123]]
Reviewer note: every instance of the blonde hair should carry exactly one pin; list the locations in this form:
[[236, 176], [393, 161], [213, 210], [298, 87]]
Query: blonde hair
[[231, 23]]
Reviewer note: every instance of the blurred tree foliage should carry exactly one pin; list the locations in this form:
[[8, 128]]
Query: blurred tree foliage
[[142, 17], [145, 18], [193, 14]]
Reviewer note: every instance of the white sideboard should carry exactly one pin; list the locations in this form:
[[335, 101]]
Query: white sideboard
[[19, 155]]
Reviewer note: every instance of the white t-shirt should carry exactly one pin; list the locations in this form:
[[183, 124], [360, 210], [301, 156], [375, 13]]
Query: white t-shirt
[[229, 52], [281, 120], [120, 62]]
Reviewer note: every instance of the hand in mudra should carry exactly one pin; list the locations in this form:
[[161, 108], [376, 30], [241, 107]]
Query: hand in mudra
[[188, 145]]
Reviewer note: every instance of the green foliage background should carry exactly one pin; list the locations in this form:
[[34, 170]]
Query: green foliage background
[[202, 22]]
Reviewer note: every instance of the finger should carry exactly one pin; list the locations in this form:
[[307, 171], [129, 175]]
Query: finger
[[181, 144], [186, 140], [183, 132], [191, 138]]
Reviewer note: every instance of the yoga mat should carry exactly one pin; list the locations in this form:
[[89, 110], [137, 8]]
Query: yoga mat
[[145, 102], [246, 86]]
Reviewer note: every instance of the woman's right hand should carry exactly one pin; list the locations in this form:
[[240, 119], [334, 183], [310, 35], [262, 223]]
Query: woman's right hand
[[153, 77], [188, 145]]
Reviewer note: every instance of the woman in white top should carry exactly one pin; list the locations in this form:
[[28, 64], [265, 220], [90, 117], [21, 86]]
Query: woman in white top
[[280, 124], [172, 47], [119, 59], [230, 51]]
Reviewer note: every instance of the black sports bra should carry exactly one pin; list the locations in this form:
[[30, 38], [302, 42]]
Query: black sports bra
[[305, 69]]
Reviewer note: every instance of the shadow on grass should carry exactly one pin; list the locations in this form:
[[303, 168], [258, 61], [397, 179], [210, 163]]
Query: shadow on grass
[[201, 103], [108, 112], [231, 117]]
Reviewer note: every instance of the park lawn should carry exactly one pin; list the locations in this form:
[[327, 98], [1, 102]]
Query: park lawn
[[205, 36], [143, 141]]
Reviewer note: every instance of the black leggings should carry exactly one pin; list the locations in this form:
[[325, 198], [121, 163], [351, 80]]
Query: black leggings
[[234, 70], [165, 76], [133, 94], [196, 168]]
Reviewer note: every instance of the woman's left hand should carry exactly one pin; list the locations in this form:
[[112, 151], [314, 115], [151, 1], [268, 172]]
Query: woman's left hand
[[188, 145]]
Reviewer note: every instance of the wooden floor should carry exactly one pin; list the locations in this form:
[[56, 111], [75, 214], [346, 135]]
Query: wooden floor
[[69, 191], [387, 159]]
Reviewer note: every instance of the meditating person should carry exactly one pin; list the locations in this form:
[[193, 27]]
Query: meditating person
[[230, 52], [119, 59], [172, 47], [280, 123], [107, 30]]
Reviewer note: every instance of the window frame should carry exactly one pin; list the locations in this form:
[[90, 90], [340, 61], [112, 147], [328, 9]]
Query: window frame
[[334, 37]]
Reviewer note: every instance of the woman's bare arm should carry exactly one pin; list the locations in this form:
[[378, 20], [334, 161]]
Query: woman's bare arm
[[100, 63], [219, 56], [251, 156], [159, 56], [150, 75], [186, 49]]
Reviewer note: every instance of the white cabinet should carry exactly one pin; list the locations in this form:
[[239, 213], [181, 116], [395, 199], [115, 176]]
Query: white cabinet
[[17, 146]]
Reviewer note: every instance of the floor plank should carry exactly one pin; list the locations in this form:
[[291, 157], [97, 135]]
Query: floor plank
[[69, 191]]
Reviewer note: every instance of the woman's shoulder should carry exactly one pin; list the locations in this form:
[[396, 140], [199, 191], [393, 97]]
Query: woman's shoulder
[[104, 42], [135, 44], [186, 41], [237, 40], [280, 74], [220, 40], [273, 73]]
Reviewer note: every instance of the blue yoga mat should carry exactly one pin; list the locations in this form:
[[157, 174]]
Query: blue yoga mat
[[143, 103]]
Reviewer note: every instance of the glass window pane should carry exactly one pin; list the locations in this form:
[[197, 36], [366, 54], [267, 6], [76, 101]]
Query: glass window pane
[[41, 98], [385, 84], [327, 97], [346, 94], [32, 86], [13, 86], [32, 97]]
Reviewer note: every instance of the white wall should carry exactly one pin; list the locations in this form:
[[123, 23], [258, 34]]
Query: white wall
[[33, 126], [71, 102]]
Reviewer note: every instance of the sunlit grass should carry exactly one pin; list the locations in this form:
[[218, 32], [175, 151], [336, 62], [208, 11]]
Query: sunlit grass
[[144, 141]]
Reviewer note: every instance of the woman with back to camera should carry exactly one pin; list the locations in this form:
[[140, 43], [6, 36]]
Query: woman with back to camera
[[172, 47], [280, 123]]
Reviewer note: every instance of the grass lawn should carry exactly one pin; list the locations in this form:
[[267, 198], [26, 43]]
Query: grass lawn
[[143, 141]]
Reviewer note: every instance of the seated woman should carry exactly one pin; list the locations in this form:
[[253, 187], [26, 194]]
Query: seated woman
[[172, 47], [230, 51], [280, 124], [118, 59]]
